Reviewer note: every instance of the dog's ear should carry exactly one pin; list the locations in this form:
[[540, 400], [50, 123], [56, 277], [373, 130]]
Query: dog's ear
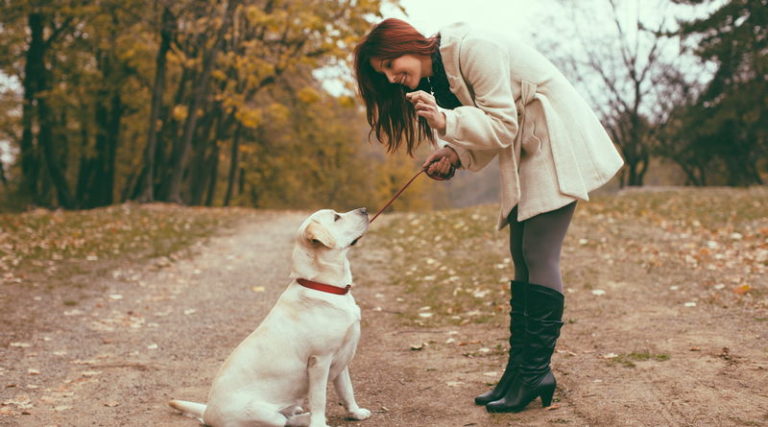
[[316, 234]]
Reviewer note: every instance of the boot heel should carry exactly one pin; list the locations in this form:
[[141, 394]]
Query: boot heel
[[546, 395]]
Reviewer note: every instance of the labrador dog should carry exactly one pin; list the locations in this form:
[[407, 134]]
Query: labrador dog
[[306, 340]]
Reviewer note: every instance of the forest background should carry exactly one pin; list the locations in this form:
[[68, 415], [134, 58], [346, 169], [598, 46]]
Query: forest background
[[220, 103]]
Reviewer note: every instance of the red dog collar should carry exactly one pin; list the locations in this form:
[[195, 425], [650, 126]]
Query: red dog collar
[[322, 287]]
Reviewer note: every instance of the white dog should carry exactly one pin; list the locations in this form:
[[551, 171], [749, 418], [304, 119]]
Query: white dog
[[307, 339]]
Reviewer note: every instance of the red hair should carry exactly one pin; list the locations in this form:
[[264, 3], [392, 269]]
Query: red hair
[[391, 117]]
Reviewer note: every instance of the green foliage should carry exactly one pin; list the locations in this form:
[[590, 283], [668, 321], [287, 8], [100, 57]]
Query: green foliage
[[722, 132]]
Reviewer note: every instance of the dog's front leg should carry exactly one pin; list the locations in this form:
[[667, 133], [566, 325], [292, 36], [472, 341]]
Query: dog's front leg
[[343, 385], [319, 368]]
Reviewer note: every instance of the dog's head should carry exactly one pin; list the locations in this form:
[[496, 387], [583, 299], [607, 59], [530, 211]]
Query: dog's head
[[323, 240], [327, 229]]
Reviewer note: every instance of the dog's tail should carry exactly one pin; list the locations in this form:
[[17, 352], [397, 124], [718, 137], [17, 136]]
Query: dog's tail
[[190, 409]]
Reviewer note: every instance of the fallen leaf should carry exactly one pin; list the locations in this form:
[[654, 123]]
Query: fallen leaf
[[111, 404], [21, 344], [743, 289]]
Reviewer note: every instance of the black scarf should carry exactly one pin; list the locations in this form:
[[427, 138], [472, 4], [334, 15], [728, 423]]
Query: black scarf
[[437, 84]]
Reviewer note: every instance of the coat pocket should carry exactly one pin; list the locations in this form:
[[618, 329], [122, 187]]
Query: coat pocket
[[531, 144], [532, 129], [528, 110]]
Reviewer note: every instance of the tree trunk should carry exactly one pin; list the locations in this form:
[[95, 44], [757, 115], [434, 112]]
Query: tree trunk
[[168, 132], [200, 174], [3, 179], [213, 168], [45, 127], [200, 91], [45, 140], [147, 178], [234, 160], [34, 68]]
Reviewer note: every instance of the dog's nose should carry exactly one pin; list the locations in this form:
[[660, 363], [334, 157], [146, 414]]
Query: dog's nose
[[363, 211]]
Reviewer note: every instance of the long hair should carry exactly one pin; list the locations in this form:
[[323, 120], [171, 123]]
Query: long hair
[[391, 117]]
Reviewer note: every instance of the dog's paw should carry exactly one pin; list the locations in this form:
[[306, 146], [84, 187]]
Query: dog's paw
[[360, 414], [298, 420], [293, 411]]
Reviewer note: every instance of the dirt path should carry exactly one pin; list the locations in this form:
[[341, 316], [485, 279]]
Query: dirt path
[[150, 333], [637, 355]]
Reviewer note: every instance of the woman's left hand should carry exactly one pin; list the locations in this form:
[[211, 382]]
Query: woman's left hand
[[426, 107]]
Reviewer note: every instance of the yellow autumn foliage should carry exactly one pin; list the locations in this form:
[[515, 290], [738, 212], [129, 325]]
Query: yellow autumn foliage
[[308, 95], [249, 117], [180, 112], [278, 113]]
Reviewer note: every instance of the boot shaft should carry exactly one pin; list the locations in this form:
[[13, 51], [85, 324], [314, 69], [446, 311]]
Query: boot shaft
[[544, 313], [517, 321]]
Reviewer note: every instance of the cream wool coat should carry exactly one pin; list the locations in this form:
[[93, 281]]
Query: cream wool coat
[[518, 107]]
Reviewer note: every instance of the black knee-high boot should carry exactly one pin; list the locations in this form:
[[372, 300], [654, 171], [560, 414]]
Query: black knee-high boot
[[535, 379], [516, 343]]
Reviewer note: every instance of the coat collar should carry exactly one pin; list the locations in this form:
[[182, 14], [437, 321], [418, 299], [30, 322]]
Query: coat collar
[[451, 38]]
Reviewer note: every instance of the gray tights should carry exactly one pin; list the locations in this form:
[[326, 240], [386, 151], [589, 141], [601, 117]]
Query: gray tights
[[535, 246]]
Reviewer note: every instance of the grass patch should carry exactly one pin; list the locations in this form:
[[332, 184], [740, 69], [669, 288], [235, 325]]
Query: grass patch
[[451, 264], [628, 360], [455, 268], [64, 244]]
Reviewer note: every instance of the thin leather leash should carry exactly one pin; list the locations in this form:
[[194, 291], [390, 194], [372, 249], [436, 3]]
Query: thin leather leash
[[323, 287], [396, 195], [450, 175]]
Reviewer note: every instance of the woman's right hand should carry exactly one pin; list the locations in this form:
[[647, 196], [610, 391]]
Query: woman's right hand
[[441, 164]]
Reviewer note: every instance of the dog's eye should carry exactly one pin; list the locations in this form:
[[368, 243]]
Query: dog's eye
[[336, 217]]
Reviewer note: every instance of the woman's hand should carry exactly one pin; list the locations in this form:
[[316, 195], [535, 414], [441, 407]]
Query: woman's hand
[[426, 107], [441, 164]]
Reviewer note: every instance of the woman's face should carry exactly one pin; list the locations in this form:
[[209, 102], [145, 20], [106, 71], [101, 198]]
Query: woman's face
[[406, 70]]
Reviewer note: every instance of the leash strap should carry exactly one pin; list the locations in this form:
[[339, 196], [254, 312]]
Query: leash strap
[[323, 287], [396, 195]]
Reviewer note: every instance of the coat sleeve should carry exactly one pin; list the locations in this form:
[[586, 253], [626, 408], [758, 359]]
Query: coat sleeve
[[490, 124], [471, 160]]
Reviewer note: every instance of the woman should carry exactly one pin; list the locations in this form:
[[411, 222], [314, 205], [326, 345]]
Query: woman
[[494, 97]]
